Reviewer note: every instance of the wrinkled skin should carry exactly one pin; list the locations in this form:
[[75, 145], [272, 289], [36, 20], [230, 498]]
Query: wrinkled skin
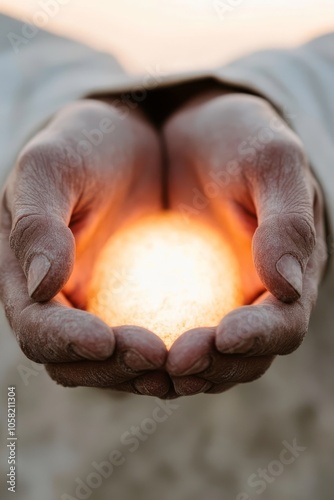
[[51, 189], [255, 185], [269, 205]]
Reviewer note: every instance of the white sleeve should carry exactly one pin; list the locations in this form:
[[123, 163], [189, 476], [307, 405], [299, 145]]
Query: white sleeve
[[39, 74]]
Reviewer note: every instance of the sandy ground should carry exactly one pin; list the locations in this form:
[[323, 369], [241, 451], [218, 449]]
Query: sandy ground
[[207, 447]]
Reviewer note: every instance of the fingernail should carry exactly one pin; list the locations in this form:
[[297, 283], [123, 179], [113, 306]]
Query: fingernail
[[135, 361], [290, 269], [199, 366], [38, 269]]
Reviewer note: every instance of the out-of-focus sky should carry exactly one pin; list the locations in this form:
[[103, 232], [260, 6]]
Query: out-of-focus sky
[[181, 34]]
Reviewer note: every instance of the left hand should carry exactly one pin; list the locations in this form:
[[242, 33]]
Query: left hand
[[234, 161], [62, 201]]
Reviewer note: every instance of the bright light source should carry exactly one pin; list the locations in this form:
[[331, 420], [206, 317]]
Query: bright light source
[[165, 274]]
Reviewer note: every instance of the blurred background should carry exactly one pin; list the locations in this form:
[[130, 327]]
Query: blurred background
[[183, 34], [209, 446]]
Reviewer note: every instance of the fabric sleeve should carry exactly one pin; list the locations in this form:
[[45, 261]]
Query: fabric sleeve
[[41, 72]]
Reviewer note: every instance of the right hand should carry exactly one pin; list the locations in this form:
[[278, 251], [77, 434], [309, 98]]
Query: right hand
[[61, 203], [235, 162]]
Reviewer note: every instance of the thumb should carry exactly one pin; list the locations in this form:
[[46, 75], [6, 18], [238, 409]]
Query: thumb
[[39, 201], [285, 237], [45, 248]]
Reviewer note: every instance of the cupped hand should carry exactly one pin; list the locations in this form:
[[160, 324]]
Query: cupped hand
[[91, 169], [235, 162]]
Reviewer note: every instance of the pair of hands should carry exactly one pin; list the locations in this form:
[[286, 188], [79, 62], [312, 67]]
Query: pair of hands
[[229, 158]]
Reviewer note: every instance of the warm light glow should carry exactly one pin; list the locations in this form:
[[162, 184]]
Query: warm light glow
[[165, 274]]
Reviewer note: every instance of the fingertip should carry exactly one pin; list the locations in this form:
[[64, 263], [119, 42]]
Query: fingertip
[[141, 349], [54, 333], [97, 341], [46, 254], [38, 269], [236, 332], [291, 271], [155, 383], [282, 246], [191, 385], [265, 328], [190, 353]]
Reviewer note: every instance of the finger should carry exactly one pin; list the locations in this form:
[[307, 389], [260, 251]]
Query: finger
[[140, 348], [137, 351], [58, 182], [156, 384], [267, 328], [285, 237], [249, 149], [39, 198], [191, 353], [217, 370], [271, 327], [190, 385], [52, 331]]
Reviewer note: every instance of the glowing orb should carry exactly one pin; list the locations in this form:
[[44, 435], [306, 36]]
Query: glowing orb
[[165, 274]]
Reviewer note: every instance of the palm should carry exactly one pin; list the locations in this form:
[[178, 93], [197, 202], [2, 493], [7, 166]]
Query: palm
[[207, 199], [57, 215], [111, 202], [264, 199]]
